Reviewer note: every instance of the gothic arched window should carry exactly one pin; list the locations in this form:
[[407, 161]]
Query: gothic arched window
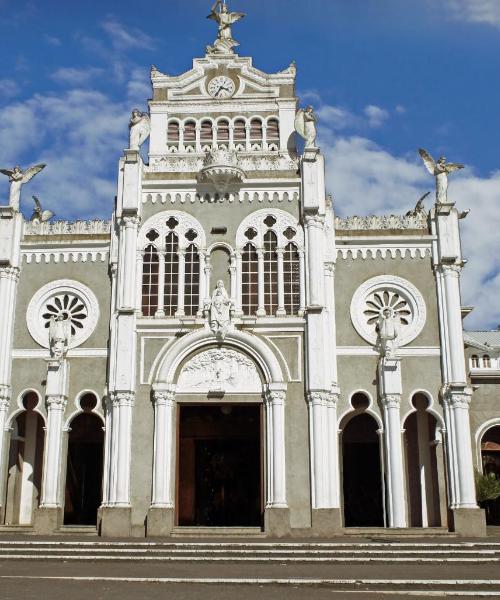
[[171, 287], [150, 281], [270, 272], [192, 281], [249, 280], [291, 279]]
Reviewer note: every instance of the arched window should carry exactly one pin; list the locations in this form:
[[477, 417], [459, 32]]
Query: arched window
[[474, 361], [171, 274], [150, 281], [256, 130], [223, 131], [250, 280], [173, 132], [273, 130], [270, 272], [291, 277], [192, 281], [240, 131], [206, 132], [486, 361], [190, 133]]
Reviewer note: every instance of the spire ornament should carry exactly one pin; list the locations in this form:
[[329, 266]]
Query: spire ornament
[[224, 43]]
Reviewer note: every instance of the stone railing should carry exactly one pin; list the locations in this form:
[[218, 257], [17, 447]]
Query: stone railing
[[386, 222], [93, 227]]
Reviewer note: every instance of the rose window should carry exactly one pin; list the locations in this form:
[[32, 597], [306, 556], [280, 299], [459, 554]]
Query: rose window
[[388, 293], [70, 307], [70, 299]]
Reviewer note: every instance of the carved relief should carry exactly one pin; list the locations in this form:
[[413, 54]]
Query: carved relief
[[219, 370], [355, 223], [285, 225]]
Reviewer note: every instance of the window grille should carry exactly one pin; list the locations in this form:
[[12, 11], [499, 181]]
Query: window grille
[[171, 274], [240, 131], [223, 131], [256, 130], [173, 132], [291, 277], [190, 131], [192, 281], [273, 130], [270, 272], [250, 280], [486, 361], [474, 361], [206, 135], [150, 281]]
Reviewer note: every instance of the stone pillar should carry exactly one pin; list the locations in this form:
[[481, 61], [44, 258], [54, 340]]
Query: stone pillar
[[138, 283], [281, 312], [160, 519], [261, 310], [277, 518], [125, 403], [315, 238], [160, 312], [202, 288], [302, 275], [239, 283], [181, 279], [208, 273], [233, 278], [128, 261]]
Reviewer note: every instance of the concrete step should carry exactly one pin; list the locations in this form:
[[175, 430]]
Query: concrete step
[[201, 532], [87, 530]]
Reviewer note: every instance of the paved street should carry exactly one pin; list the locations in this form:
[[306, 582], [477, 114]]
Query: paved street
[[345, 568]]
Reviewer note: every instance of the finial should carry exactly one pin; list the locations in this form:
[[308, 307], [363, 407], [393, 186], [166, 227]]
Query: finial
[[224, 43]]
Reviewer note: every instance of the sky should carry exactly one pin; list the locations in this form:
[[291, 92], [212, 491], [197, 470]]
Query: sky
[[385, 77]]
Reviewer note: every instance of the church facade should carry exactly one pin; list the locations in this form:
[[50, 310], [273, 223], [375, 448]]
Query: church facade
[[226, 352]]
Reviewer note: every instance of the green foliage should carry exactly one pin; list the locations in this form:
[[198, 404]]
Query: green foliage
[[487, 487]]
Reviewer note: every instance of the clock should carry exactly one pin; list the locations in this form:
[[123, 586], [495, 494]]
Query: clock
[[221, 87]]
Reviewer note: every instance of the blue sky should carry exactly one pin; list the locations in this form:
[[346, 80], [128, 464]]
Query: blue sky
[[385, 76]]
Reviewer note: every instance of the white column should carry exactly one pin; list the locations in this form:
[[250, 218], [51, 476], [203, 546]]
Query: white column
[[181, 138], [333, 448], [29, 457], [164, 404], [208, 272], [276, 468], [232, 273], [52, 455], [125, 403], [160, 312], [425, 469], [261, 310], [239, 283], [128, 265], [302, 275], [394, 460], [315, 255], [281, 284], [180, 289], [138, 283], [451, 278], [203, 283], [4, 409], [107, 454]]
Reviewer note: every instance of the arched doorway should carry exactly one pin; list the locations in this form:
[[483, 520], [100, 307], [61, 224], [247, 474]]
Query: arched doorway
[[421, 465], [83, 491], [25, 464], [490, 457], [361, 468]]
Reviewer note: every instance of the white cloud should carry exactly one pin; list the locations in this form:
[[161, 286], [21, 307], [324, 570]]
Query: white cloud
[[376, 116], [8, 88], [476, 11], [124, 38], [74, 77], [52, 40], [366, 179], [139, 87]]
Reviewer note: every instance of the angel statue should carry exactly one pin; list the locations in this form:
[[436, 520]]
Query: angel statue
[[140, 128], [39, 215], [419, 209], [220, 311], [388, 329], [59, 336], [305, 126], [224, 43], [440, 170], [18, 178]]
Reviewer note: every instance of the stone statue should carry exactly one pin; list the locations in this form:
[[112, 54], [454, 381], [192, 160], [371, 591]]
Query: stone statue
[[389, 329], [39, 215], [59, 336], [220, 311], [224, 43], [305, 126], [140, 128], [440, 170], [419, 209], [18, 178]]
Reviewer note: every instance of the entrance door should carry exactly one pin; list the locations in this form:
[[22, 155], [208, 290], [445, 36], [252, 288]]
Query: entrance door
[[219, 479]]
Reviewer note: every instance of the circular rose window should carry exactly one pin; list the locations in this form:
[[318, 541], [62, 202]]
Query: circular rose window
[[73, 301], [389, 295]]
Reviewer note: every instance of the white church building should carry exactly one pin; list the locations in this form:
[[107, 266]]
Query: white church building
[[227, 353]]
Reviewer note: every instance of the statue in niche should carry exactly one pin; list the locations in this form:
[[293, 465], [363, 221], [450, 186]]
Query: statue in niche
[[59, 336], [440, 170], [224, 43], [17, 178], [220, 311], [389, 329], [305, 126], [140, 128]]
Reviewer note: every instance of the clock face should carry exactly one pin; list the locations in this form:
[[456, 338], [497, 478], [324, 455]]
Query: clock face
[[221, 87]]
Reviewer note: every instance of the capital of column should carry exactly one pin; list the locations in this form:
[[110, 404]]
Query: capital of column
[[122, 398], [316, 221], [9, 272], [450, 270], [56, 402], [322, 398], [5, 393], [130, 221], [276, 397], [391, 400], [181, 251], [458, 399], [279, 251], [164, 397]]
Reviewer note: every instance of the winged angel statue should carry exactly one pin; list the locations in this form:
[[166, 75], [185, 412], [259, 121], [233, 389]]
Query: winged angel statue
[[305, 126], [18, 178], [39, 215], [224, 43], [140, 128], [440, 169]]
